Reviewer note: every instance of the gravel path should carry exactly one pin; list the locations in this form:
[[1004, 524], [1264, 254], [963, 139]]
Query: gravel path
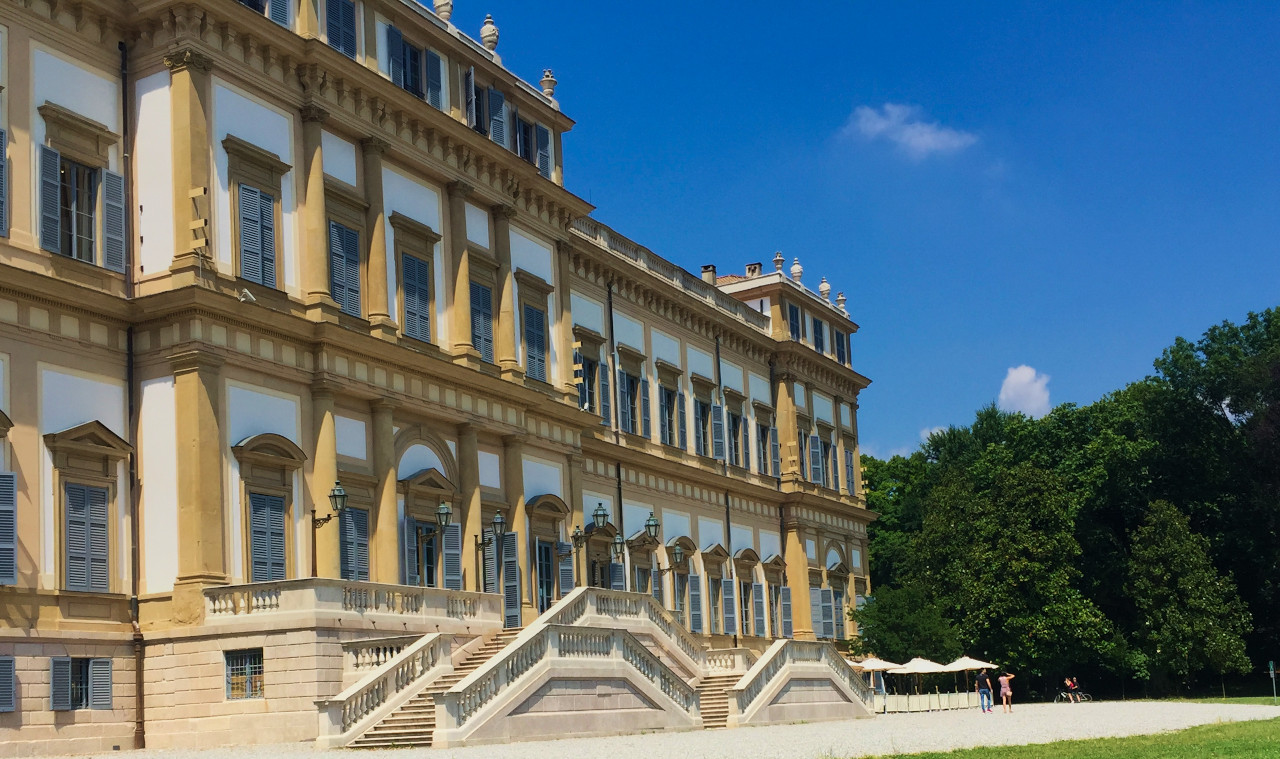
[[892, 734]]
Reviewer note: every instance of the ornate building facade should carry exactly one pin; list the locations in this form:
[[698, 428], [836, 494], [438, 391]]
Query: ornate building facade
[[323, 402]]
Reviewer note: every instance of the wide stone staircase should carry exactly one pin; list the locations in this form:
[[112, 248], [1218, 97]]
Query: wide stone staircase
[[714, 700], [413, 724]]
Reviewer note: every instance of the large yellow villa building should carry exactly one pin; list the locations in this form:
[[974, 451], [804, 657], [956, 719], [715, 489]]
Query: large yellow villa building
[[328, 413]]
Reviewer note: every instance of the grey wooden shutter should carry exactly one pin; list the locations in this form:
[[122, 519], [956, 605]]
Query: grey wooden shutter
[[757, 607], [775, 452], [815, 459], [113, 222], [700, 427], [8, 529], [100, 683], [417, 297], [838, 605], [354, 525], [497, 117], [60, 683], [730, 442], [344, 265], [99, 554], [266, 537], [278, 10], [664, 415], [815, 610], [624, 402], [8, 684], [267, 249], [451, 551], [409, 553], [567, 582], [617, 576], [435, 80], [469, 92], [482, 321], [645, 429], [682, 413], [695, 604], [717, 432], [848, 471], [4, 186], [50, 200], [490, 561], [395, 55], [784, 601], [730, 610], [828, 614], [580, 374], [544, 150], [340, 17], [606, 400], [535, 343], [657, 588], [251, 234], [76, 519], [511, 580]]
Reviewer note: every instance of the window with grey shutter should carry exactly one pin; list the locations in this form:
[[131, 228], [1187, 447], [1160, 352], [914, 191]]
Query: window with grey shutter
[[344, 267], [278, 11], [717, 432], [848, 471], [340, 18], [257, 236], [815, 611], [624, 402], [757, 607], [100, 683], [828, 614], [511, 580], [664, 415], [353, 525], [395, 55], [567, 581], [838, 606], [4, 183], [469, 93], [695, 604], [606, 400], [657, 588], [644, 409], [617, 576], [815, 459], [417, 297], [451, 551], [841, 341], [730, 608], [535, 343], [409, 551], [819, 335], [266, 537], [435, 79], [793, 321], [497, 117], [60, 684], [50, 199], [682, 413], [113, 229], [8, 528], [775, 452], [482, 321], [543, 136], [490, 560], [8, 684], [86, 538]]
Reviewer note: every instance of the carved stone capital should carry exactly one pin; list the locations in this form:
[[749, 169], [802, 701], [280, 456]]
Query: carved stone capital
[[504, 212], [374, 146], [187, 58], [186, 362], [312, 112], [460, 190]]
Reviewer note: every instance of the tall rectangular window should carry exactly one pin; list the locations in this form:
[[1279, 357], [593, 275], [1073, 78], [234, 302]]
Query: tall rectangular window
[[842, 346], [79, 683], [276, 10], [713, 588], [69, 213], [819, 335], [86, 538], [257, 216], [482, 321], [667, 415], [340, 20], [762, 449], [8, 684], [79, 210], [793, 321], [701, 426], [344, 267], [733, 437], [244, 674], [266, 538], [8, 530], [535, 343], [353, 532], [744, 603], [587, 385], [417, 297]]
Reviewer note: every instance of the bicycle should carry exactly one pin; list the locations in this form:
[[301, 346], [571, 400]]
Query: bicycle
[[1066, 697]]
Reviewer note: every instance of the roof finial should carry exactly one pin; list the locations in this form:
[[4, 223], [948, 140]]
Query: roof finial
[[444, 9], [489, 33], [797, 271], [548, 83], [840, 299], [778, 261], [824, 289]]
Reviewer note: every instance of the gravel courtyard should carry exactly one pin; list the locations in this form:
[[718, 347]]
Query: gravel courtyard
[[898, 733]]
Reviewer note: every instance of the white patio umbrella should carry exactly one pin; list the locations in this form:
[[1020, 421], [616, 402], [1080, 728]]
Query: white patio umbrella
[[875, 665], [966, 663], [919, 666]]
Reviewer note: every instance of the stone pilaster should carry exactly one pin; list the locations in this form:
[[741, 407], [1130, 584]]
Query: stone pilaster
[[506, 345], [380, 317], [201, 539], [190, 98], [315, 224], [797, 576], [460, 274], [469, 490], [576, 463], [386, 517], [788, 430], [562, 331], [324, 472], [513, 484]]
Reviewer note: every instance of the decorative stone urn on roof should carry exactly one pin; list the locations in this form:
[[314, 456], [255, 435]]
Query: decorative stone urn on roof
[[548, 83], [778, 261], [444, 9], [797, 271], [824, 289], [489, 34], [840, 300]]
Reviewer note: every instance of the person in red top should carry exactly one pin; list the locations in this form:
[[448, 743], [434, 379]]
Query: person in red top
[[1006, 692]]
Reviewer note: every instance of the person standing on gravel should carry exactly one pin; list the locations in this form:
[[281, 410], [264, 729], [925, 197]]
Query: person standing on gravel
[[983, 684], [1006, 692]]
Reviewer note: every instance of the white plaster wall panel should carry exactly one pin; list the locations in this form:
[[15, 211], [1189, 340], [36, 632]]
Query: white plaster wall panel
[[855, 559], [68, 400], [477, 225], [634, 514], [255, 411], [811, 549], [741, 537], [4, 387], [153, 168], [339, 157], [665, 348], [710, 532], [542, 478], [490, 465], [801, 403], [76, 88], [675, 524], [384, 53], [758, 388], [417, 458], [587, 312], [257, 123], [770, 545], [353, 437], [532, 255], [731, 376], [700, 362], [628, 331], [590, 500], [823, 408], [157, 469], [421, 202]]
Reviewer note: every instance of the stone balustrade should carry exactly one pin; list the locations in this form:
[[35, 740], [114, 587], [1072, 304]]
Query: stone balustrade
[[364, 655], [795, 657], [725, 660]]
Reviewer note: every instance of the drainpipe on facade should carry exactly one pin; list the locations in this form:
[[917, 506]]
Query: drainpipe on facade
[[126, 165], [612, 368]]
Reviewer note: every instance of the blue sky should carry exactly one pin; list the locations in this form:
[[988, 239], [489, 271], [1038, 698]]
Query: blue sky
[[1064, 187]]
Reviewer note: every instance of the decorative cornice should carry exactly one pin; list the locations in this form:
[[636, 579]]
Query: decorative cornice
[[504, 212], [460, 189], [193, 361], [188, 58], [374, 146], [313, 113]]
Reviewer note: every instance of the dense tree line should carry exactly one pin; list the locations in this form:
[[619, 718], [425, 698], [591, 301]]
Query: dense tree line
[[1134, 540]]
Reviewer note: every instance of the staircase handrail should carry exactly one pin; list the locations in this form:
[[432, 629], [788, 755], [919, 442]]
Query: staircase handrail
[[617, 603], [752, 684], [363, 700]]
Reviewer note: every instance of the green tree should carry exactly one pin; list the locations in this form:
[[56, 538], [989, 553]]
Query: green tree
[[900, 623], [894, 491], [1193, 618]]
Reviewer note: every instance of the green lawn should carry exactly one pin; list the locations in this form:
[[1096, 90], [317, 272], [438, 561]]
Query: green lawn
[[1263, 700], [1256, 739]]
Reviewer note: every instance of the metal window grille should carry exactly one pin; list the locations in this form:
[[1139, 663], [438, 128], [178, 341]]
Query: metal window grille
[[244, 674]]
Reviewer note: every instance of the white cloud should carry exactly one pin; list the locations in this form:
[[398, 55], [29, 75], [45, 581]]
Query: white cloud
[[1025, 390], [927, 433], [904, 126]]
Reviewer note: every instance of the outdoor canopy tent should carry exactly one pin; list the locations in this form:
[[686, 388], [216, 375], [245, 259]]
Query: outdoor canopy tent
[[875, 665], [919, 666], [965, 663]]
